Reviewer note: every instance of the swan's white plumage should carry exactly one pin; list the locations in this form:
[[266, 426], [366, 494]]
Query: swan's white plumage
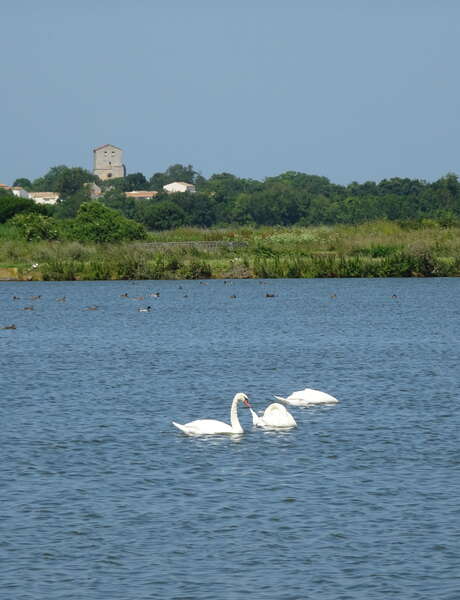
[[275, 415], [213, 427], [308, 397]]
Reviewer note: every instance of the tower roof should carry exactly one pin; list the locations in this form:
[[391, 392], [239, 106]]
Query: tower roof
[[106, 146]]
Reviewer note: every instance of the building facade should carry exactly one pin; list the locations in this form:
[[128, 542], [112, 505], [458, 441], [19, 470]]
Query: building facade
[[108, 162], [179, 186], [16, 190], [44, 197]]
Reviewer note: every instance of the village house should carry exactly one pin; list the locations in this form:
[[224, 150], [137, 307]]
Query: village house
[[20, 192], [38, 197], [44, 197], [16, 190], [141, 194], [179, 186]]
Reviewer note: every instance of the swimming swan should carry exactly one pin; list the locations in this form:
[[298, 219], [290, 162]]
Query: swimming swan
[[308, 397], [275, 415], [213, 427]]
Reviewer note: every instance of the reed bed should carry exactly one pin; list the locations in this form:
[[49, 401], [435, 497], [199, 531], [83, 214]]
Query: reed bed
[[383, 249]]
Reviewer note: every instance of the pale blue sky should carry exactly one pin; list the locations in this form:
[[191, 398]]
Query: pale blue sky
[[349, 89]]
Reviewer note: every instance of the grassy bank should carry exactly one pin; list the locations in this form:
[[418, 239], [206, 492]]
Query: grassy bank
[[383, 249]]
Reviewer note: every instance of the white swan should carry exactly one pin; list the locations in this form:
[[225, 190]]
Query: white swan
[[308, 397], [275, 415], [213, 427]]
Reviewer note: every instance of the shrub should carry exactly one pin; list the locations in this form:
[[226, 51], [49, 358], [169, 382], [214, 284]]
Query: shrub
[[98, 223], [161, 215], [33, 226], [11, 205]]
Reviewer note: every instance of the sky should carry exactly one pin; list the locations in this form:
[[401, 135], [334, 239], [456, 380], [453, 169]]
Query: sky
[[353, 90]]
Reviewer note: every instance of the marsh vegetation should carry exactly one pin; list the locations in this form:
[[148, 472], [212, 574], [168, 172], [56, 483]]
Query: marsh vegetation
[[379, 249]]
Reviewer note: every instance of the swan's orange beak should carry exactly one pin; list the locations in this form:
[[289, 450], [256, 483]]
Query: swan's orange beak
[[246, 403]]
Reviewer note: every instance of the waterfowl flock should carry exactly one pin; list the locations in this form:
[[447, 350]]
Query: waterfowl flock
[[275, 416], [147, 309]]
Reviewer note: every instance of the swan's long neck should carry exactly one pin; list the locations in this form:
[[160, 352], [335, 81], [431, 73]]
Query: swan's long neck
[[255, 417], [235, 422]]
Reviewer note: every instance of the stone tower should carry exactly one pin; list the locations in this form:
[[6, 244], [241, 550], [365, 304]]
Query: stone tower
[[108, 162]]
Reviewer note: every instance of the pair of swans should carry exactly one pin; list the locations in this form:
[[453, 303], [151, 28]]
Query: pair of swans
[[274, 416]]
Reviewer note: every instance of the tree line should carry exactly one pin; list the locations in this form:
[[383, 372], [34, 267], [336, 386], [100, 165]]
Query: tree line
[[291, 198]]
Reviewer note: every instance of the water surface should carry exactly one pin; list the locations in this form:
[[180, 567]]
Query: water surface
[[101, 498]]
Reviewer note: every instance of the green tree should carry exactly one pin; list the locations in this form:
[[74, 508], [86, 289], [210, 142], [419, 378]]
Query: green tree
[[68, 208], [63, 180], [98, 223], [117, 199], [275, 205], [173, 173], [133, 181], [401, 186], [315, 184], [356, 209], [224, 186], [161, 215], [34, 226], [24, 183], [11, 205], [199, 208], [157, 181], [447, 193], [323, 210]]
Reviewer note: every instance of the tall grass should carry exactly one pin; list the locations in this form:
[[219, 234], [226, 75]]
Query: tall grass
[[382, 249]]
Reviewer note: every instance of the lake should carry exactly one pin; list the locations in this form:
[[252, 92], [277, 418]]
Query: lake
[[102, 498]]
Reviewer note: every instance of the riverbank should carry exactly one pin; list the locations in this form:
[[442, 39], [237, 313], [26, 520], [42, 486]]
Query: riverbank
[[382, 249]]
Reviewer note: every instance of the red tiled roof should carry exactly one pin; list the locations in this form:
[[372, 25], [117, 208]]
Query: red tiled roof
[[141, 194]]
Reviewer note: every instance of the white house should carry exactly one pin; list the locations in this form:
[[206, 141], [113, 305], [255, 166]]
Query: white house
[[16, 190], [20, 192], [44, 197], [38, 197], [179, 186]]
